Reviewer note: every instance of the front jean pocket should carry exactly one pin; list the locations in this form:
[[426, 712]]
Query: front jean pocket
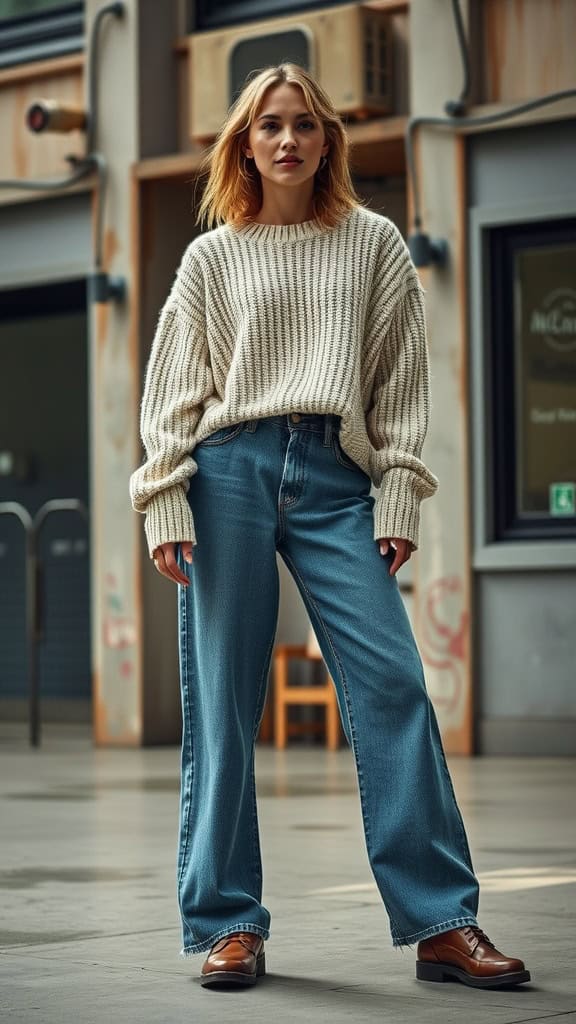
[[222, 435], [341, 455]]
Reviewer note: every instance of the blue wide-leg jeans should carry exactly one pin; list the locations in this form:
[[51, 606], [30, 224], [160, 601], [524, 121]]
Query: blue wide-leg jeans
[[284, 484]]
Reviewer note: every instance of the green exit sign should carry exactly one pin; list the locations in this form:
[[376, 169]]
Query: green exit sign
[[563, 499]]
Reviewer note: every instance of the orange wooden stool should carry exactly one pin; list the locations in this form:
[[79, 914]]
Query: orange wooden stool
[[283, 695]]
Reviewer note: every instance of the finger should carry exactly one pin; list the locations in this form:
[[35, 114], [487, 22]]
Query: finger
[[399, 556], [397, 562], [187, 551], [174, 569], [159, 561], [161, 565]]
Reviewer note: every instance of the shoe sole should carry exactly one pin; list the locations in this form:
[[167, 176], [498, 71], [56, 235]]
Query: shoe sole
[[216, 978], [446, 972]]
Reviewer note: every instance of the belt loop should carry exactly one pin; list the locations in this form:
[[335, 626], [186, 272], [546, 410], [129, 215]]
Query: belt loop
[[327, 429], [251, 425]]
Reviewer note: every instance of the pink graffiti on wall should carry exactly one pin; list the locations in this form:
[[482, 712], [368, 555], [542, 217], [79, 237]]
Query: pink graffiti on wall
[[443, 634], [119, 631]]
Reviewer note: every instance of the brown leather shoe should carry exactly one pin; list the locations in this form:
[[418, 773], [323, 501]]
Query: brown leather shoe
[[237, 959], [468, 955]]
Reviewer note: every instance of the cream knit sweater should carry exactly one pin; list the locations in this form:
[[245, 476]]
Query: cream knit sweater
[[269, 319]]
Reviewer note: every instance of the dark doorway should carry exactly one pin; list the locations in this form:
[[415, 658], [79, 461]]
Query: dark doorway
[[44, 456]]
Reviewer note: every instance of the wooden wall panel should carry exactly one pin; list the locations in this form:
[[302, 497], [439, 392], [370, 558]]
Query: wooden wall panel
[[528, 48], [23, 153]]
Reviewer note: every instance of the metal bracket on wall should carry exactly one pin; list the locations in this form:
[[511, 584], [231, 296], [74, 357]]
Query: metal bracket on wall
[[102, 287], [34, 591]]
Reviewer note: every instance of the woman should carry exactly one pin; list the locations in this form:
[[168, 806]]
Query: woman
[[289, 372]]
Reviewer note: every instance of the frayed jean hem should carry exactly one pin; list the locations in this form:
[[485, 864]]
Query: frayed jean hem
[[199, 947], [435, 929]]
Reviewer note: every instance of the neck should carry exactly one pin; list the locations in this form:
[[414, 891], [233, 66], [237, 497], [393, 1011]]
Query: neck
[[266, 234], [285, 210]]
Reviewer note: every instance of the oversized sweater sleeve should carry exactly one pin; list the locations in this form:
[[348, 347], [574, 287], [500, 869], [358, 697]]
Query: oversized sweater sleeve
[[178, 379], [397, 419]]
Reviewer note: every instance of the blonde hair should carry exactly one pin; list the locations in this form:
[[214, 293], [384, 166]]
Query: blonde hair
[[233, 191]]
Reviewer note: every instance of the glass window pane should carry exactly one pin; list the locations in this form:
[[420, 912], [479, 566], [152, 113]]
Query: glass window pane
[[20, 8], [39, 29], [545, 380]]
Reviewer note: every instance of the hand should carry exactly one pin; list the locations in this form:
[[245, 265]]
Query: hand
[[403, 548], [165, 561]]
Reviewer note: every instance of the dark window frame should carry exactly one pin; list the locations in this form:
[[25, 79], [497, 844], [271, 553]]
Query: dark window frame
[[38, 300], [54, 32], [503, 243]]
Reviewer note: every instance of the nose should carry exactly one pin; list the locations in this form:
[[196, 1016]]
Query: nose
[[288, 140]]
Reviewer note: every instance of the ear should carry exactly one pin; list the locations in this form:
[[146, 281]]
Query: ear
[[248, 152]]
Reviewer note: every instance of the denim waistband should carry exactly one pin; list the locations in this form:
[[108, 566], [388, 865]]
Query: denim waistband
[[318, 422]]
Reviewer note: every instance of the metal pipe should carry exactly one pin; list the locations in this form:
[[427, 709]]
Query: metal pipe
[[34, 592]]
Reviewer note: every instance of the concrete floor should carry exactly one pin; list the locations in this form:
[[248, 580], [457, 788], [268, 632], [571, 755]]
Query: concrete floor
[[89, 930]]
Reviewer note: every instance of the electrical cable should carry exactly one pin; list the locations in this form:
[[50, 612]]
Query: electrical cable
[[455, 106], [504, 115], [92, 161], [117, 9], [85, 167]]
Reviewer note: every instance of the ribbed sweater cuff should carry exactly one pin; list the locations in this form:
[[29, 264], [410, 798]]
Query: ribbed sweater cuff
[[397, 505], [169, 519]]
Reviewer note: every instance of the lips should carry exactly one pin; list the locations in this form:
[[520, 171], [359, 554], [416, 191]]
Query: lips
[[290, 160]]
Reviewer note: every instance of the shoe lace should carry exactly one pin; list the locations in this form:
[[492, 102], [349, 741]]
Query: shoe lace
[[472, 931]]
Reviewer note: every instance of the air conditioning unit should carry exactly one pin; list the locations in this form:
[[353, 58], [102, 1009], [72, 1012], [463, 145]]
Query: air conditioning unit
[[347, 48]]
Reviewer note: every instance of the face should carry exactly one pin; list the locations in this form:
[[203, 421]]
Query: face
[[285, 128]]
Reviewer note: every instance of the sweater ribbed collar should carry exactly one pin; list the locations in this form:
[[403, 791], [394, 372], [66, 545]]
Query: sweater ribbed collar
[[286, 233]]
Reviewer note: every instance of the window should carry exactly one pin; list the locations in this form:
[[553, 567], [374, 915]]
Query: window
[[533, 356], [36, 29], [17, 8], [217, 13]]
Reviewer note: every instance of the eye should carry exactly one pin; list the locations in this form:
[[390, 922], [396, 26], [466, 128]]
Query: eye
[[272, 124]]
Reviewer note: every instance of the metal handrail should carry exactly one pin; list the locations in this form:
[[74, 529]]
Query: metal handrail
[[32, 526]]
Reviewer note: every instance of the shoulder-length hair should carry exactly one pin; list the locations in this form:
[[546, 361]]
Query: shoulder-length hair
[[233, 191]]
